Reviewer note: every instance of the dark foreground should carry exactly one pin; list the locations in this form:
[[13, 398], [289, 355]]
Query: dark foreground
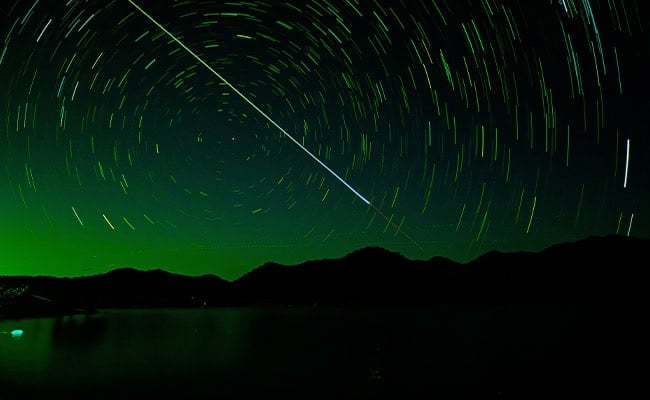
[[439, 351]]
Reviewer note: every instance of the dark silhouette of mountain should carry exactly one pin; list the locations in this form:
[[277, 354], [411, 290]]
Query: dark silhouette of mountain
[[121, 288], [591, 270]]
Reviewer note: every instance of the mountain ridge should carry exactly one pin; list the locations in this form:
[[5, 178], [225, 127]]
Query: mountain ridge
[[605, 268]]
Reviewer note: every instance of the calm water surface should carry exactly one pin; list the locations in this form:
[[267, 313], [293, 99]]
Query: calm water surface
[[460, 351]]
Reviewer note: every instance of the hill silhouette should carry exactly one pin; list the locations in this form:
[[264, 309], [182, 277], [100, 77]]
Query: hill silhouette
[[596, 269]]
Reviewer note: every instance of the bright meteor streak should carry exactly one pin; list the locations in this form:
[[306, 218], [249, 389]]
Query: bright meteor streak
[[240, 94], [627, 162]]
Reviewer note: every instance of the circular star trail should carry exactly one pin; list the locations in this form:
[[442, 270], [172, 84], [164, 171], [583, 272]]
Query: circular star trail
[[469, 126]]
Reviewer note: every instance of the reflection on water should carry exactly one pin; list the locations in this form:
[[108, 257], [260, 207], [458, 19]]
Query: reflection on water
[[362, 353], [78, 331]]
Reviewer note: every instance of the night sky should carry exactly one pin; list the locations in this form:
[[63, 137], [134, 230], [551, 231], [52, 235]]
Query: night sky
[[469, 126]]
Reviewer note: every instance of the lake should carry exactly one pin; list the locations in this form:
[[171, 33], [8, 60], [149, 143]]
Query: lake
[[456, 351]]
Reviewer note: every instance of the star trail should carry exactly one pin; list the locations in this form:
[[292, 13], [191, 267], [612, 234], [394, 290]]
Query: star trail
[[211, 137]]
